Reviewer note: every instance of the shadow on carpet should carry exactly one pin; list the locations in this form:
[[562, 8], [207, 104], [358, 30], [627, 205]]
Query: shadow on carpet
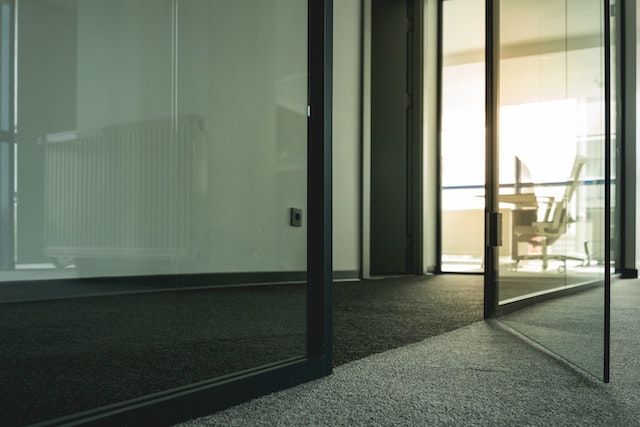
[[373, 316]]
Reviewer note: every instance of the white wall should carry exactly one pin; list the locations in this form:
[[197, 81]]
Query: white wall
[[46, 103], [346, 135], [430, 137], [124, 61], [242, 66]]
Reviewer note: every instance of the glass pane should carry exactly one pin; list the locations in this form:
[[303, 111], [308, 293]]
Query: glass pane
[[161, 147], [6, 40], [552, 173], [249, 172], [463, 147]]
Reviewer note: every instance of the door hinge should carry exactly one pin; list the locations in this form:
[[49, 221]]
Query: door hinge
[[409, 100]]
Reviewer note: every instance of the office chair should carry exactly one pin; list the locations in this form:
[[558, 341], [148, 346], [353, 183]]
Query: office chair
[[554, 223]]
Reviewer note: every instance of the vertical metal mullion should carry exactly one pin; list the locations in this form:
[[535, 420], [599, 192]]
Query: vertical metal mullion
[[619, 215], [439, 109], [363, 270], [409, 141], [319, 178], [607, 189], [492, 62], [626, 131], [415, 149], [365, 140]]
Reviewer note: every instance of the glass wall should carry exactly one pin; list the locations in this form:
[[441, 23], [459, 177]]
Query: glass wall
[[463, 135], [159, 232], [553, 172], [552, 130]]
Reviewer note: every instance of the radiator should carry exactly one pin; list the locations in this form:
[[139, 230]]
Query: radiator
[[125, 191]]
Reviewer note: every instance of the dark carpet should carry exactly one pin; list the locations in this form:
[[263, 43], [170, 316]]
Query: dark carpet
[[373, 316], [478, 375], [63, 356]]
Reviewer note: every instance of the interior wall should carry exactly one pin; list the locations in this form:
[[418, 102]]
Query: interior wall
[[114, 64], [246, 78], [430, 137], [390, 140], [255, 163], [347, 135], [47, 40], [124, 62]]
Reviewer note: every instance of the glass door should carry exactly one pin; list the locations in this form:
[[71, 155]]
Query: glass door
[[553, 163]]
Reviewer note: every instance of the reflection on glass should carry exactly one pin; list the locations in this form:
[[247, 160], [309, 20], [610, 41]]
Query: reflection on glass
[[552, 170], [162, 146], [463, 135]]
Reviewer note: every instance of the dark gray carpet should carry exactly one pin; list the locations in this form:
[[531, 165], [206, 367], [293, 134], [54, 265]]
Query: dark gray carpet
[[68, 355], [76, 353], [572, 326], [373, 316], [479, 375]]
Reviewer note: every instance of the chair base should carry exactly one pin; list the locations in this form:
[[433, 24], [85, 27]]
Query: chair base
[[545, 260]]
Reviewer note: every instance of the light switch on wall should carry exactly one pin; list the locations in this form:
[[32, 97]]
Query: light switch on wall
[[296, 217]]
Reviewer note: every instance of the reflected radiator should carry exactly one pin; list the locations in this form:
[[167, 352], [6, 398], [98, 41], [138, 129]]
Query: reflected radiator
[[124, 191]]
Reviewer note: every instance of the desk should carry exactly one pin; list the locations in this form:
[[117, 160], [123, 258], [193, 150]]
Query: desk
[[523, 199]]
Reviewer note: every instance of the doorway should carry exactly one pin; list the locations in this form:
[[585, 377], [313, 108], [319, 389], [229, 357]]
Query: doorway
[[396, 193], [529, 203]]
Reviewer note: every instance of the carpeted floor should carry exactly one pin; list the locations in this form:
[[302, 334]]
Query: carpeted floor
[[478, 375], [65, 355], [78, 352], [373, 316]]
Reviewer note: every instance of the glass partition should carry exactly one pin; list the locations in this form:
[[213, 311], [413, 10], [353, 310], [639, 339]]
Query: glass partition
[[463, 136], [553, 173], [160, 198]]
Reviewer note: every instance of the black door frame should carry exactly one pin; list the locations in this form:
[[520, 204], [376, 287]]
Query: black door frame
[[626, 135]]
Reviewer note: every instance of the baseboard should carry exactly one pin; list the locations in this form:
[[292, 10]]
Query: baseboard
[[201, 279], [347, 275], [249, 278], [629, 273]]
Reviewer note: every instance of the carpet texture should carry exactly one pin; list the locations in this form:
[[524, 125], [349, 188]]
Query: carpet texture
[[478, 375], [373, 316], [61, 356]]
